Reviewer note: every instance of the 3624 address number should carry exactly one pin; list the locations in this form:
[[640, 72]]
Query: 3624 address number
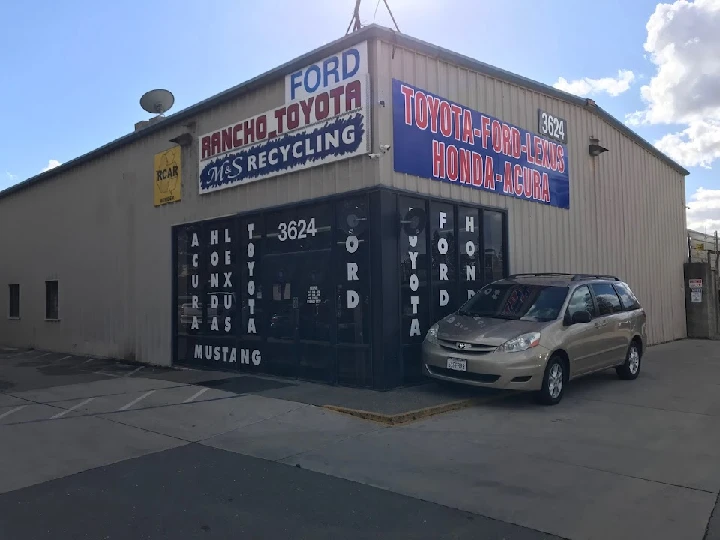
[[551, 126], [296, 230]]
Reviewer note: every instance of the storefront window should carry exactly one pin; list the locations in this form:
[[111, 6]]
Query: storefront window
[[289, 292], [469, 235], [278, 235], [353, 272], [252, 322], [189, 286], [314, 226], [493, 233], [413, 269], [443, 268], [315, 301], [300, 229], [206, 289], [220, 256]]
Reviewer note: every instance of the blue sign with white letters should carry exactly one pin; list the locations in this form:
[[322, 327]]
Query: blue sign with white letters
[[327, 73], [441, 140]]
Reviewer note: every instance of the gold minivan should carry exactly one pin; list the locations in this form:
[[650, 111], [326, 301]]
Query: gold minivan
[[537, 332]]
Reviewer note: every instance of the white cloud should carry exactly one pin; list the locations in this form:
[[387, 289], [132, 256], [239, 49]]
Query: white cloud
[[609, 85], [51, 165], [10, 176], [698, 145], [703, 213], [683, 42]]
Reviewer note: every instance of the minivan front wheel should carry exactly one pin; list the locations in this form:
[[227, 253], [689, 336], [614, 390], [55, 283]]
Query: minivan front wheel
[[553, 384], [631, 368]]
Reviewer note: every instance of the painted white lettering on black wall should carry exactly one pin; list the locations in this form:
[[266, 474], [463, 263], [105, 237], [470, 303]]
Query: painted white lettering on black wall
[[251, 329], [414, 286], [195, 284], [296, 230], [442, 246], [352, 297], [470, 250], [226, 354], [221, 293]]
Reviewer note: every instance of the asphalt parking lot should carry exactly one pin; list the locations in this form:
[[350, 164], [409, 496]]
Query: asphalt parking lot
[[96, 449]]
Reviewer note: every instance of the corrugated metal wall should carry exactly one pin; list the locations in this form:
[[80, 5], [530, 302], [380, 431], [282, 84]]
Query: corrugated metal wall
[[95, 229], [627, 209]]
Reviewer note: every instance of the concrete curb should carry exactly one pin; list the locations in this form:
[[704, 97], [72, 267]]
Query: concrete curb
[[415, 415]]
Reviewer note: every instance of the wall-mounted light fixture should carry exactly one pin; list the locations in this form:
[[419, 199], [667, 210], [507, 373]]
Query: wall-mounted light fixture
[[184, 139], [595, 148]]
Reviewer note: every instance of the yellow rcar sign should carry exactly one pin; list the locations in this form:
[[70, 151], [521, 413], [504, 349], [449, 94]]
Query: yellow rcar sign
[[168, 176]]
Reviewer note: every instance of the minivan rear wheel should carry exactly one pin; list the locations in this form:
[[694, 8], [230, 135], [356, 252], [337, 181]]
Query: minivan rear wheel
[[553, 384], [631, 368]]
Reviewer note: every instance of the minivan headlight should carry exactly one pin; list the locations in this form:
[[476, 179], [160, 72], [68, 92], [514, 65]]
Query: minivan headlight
[[521, 343], [431, 336]]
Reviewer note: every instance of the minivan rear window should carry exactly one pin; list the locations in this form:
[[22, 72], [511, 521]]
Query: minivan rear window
[[606, 298], [516, 302], [627, 298]]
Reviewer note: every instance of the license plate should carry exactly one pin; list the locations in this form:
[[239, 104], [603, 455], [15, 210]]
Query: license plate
[[457, 364]]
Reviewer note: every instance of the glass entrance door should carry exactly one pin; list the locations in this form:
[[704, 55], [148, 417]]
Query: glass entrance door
[[280, 300], [316, 317], [300, 310]]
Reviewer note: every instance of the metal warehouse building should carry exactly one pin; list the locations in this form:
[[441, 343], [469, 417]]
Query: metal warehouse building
[[316, 220]]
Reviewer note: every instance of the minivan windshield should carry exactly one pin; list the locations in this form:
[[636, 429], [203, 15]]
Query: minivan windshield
[[514, 301]]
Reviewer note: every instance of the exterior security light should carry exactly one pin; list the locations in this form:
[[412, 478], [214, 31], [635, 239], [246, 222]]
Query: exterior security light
[[183, 140], [595, 148]]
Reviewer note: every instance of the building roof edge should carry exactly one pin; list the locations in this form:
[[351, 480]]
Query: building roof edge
[[367, 32]]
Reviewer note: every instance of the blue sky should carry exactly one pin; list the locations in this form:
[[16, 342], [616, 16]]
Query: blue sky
[[74, 71]]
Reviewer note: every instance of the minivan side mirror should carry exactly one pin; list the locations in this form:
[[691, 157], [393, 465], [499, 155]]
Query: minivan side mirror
[[580, 317]]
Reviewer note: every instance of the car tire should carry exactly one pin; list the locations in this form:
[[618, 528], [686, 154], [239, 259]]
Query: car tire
[[630, 369], [553, 383]]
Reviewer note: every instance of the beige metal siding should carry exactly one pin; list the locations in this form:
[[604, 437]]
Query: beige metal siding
[[95, 229], [627, 209]]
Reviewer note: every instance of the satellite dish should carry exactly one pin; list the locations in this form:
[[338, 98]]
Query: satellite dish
[[157, 101]]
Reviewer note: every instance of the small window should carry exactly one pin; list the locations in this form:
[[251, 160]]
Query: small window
[[51, 300], [581, 300], [14, 312], [627, 298], [607, 299]]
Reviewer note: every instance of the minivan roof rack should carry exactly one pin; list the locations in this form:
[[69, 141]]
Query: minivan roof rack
[[579, 277], [538, 274], [575, 277]]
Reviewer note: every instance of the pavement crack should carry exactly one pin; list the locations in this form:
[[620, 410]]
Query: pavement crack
[[415, 496], [300, 406], [146, 430], [624, 475], [33, 402], [488, 441], [711, 518]]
